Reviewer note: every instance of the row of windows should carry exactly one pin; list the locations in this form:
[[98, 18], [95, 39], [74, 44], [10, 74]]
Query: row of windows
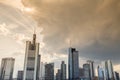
[[30, 69]]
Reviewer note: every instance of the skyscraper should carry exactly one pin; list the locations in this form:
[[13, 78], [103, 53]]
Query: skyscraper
[[7, 66], [100, 73], [91, 63], [63, 71], [32, 60], [86, 68], [49, 71], [108, 70], [116, 76], [73, 64], [20, 75]]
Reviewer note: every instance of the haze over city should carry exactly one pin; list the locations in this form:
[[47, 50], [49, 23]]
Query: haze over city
[[91, 26]]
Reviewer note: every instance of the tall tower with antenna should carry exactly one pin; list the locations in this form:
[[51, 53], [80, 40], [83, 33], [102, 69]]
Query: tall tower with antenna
[[32, 60], [73, 64]]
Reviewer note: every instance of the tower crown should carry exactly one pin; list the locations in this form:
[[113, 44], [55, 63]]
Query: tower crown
[[34, 38]]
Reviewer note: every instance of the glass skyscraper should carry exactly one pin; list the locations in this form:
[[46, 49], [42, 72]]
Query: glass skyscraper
[[73, 64]]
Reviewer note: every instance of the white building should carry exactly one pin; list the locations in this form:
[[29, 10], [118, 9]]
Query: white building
[[7, 66], [32, 60]]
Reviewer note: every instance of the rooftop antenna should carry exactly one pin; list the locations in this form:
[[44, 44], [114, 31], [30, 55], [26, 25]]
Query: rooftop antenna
[[69, 42]]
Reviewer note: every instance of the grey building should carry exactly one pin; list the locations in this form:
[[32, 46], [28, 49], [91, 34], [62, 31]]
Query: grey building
[[116, 76], [63, 71], [92, 74], [49, 71], [108, 70], [7, 66], [20, 75], [42, 71], [81, 73], [86, 68], [32, 60], [73, 64], [58, 75]]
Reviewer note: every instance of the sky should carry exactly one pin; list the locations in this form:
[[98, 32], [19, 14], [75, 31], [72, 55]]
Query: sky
[[92, 27]]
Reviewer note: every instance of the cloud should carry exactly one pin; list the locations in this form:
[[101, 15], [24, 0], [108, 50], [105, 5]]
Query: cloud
[[91, 25]]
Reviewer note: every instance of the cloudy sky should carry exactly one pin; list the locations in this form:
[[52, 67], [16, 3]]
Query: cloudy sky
[[92, 26]]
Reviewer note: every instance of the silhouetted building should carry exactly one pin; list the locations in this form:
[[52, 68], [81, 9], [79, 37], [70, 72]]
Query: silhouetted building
[[49, 71], [32, 60], [100, 73], [116, 76], [20, 75], [73, 64], [86, 68], [91, 63], [7, 66], [63, 71], [58, 75]]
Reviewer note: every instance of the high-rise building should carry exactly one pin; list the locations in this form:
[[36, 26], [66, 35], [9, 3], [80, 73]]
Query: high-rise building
[[105, 70], [63, 71], [108, 70], [7, 66], [42, 71], [32, 60], [86, 68], [81, 73], [58, 75], [100, 73], [49, 71], [116, 76], [91, 63], [73, 64], [20, 75]]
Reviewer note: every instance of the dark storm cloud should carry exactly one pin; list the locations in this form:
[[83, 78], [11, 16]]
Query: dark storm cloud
[[91, 25]]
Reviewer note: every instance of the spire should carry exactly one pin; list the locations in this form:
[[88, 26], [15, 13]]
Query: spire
[[34, 36]]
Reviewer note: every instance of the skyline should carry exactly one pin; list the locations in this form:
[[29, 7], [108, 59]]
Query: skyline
[[94, 34]]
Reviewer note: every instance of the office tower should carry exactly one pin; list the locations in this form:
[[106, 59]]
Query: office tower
[[110, 70], [42, 71], [91, 63], [73, 64], [81, 73], [86, 68], [20, 75], [7, 66], [32, 60], [58, 75], [116, 76], [100, 73], [63, 71], [49, 71]]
